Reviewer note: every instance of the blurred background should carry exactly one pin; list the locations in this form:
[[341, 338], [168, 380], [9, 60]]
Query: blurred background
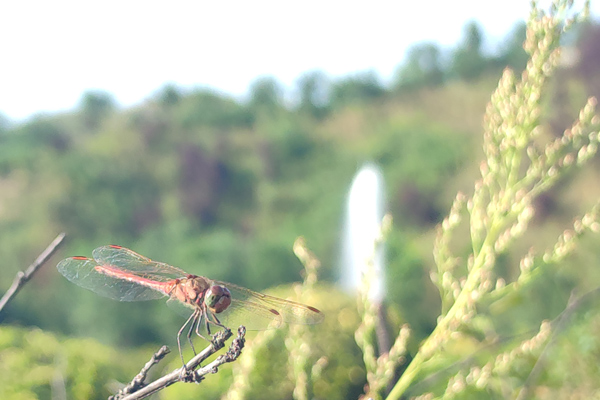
[[210, 136]]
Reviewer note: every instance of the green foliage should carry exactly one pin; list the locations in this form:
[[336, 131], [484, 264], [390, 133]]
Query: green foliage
[[266, 93], [514, 56], [169, 95], [123, 190], [410, 148], [22, 148], [95, 106], [38, 365], [467, 62], [314, 92], [423, 68], [4, 123], [205, 108], [358, 88]]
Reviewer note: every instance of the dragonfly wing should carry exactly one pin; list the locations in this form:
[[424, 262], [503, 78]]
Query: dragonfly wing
[[130, 261], [254, 317], [181, 308], [83, 272], [265, 305]]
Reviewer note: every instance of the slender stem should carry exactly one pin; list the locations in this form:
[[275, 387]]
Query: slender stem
[[407, 377], [23, 277], [414, 367], [559, 324]]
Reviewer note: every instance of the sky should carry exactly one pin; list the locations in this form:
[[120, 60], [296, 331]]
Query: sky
[[52, 52]]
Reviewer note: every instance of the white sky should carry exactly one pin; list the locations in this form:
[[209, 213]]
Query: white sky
[[52, 51]]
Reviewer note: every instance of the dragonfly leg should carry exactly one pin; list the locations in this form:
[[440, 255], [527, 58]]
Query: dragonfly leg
[[208, 316], [201, 320], [211, 318], [195, 322], [216, 321], [207, 322], [193, 318]]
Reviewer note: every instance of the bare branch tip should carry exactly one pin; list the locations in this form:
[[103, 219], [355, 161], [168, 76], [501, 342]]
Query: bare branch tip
[[22, 277]]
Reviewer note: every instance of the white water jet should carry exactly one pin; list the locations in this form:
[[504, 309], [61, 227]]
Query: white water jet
[[365, 210]]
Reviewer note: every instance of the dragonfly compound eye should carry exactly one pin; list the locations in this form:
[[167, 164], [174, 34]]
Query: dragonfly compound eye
[[217, 298]]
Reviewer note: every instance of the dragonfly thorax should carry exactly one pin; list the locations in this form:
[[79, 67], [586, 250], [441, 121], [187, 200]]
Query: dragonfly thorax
[[191, 290], [196, 290]]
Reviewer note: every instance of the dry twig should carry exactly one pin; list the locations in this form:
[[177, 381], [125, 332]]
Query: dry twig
[[138, 382], [189, 373], [23, 277]]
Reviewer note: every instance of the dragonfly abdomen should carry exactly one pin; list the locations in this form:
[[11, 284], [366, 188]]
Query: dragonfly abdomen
[[164, 287]]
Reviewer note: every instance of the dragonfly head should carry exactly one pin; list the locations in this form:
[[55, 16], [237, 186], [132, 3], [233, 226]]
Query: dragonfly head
[[217, 298]]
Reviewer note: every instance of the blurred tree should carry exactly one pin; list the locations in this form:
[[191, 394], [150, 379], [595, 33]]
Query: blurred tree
[[46, 132], [314, 89], [364, 86], [468, 62], [420, 156], [474, 37], [96, 105], [107, 196], [169, 95], [202, 181], [206, 108], [423, 67], [288, 150], [513, 54], [4, 123], [588, 67], [152, 122], [23, 146], [266, 93]]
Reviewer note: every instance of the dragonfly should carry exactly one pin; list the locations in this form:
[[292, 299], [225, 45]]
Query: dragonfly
[[122, 274]]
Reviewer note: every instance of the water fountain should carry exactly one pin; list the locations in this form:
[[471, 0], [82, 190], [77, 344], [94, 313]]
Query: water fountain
[[361, 252], [365, 210]]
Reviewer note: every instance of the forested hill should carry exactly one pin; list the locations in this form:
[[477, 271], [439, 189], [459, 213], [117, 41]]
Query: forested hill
[[222, 187]]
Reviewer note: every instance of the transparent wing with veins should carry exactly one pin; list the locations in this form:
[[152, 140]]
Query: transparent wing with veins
[[84, 272], [130, 261], [246, 299]]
